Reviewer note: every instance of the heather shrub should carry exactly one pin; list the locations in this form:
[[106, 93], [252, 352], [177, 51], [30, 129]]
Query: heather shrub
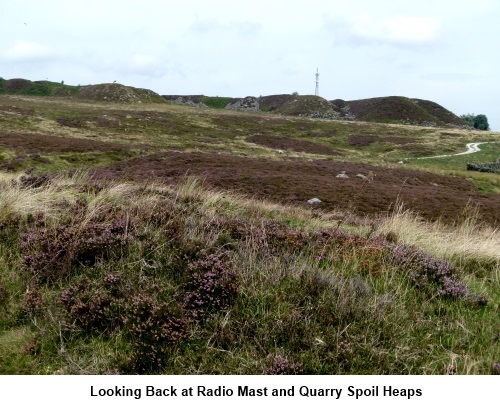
[[50, 253], [32, 301], [4, 295], [35, 180], [92, 310], [212, 287], [282, 366], [427, 272], [153, 328], [269, 236]]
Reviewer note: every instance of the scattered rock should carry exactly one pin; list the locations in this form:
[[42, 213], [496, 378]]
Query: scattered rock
[[187, 100], [248, 103], [314, 201], [362, 176], [342, 175]]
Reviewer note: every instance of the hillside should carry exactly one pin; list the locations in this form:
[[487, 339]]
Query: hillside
[[394, 109], [402, 110], [397, 110], [157, 238], [37, 88], [118, 93], [312, 106]]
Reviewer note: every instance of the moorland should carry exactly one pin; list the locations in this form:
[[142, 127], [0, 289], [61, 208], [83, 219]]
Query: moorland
[[141, 235]]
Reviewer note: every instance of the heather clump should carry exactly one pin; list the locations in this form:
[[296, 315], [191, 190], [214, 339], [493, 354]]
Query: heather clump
[[428, 272], [212, 286], [35, 180], [32, 301], [4, 295], [267, 236], [92, 309], [49, 253], [153, 327], [283, 366]]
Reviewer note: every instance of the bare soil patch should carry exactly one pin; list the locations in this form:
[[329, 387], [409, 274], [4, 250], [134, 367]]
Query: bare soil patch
[[294, 181], [297, 145]]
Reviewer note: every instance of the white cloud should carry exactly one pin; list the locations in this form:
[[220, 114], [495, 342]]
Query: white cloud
[[399, 30], [27, 51], [141, 61]]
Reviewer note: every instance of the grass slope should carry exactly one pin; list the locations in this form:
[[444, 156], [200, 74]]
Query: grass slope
[[37, 88], [114, 260]]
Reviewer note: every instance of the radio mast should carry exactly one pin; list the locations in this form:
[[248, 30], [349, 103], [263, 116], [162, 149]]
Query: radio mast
[[316, 93]]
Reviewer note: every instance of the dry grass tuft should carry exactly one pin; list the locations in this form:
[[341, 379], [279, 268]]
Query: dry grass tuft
[[469, 240]]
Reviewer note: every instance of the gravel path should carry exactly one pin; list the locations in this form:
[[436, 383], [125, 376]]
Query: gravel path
[[471, 148]]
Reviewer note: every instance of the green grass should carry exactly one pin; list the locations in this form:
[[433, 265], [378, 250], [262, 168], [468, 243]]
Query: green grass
[[337, 305], [457, 166], [42, 88], [216, 102], [352, 312]]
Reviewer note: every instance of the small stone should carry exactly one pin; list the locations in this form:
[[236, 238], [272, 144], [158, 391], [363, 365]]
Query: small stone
[[362, 176], [342, 175], [313, 201]]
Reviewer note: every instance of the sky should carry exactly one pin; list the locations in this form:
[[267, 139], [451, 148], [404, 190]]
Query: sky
[[443, 51]]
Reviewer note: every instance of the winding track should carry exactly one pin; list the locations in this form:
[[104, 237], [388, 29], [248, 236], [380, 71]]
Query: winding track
[[471, 148]]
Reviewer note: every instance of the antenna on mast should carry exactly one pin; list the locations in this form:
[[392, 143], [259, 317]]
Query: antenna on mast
[[316, 92]]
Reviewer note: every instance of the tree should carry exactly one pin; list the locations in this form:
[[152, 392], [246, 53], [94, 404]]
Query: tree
[[479, 121]]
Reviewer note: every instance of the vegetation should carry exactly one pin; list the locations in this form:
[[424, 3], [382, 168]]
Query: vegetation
[[113, 260], [125, 278], [38, 88], [479, 121], [215, 102]]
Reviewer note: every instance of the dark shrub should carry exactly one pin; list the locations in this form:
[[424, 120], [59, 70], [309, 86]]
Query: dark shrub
[[92, 310], [428, 272], [212, 287], [283, 366], [153, 328], [50, 253]]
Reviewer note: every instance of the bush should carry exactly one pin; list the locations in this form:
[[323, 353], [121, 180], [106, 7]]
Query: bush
[[50, 253], [282, 366], [153, 328], [91, 310], [479, 121], [427, 272], [212, 288]]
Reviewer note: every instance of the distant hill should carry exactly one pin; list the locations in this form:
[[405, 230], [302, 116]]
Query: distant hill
[[113, 92], [118, 93], [401, 110], [36, 88], [307, 105], [393, 109]]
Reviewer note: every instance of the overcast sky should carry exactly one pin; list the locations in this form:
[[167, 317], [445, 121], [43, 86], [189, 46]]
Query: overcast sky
[[444, 51]]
